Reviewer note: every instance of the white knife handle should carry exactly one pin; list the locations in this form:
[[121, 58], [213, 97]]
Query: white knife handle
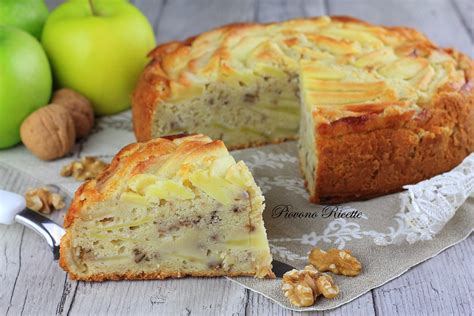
[[13, 209], [10, 205]]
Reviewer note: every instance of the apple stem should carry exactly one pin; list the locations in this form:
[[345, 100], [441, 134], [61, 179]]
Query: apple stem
[[91, 4]]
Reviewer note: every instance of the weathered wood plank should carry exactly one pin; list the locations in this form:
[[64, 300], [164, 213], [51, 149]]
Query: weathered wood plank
[[31, 282], [53, 4], [436, 18], [444, 285], [314, 8], [11, 238], [280, 10], [260, 305], [151, 9], [183, 18], [214, 296], [465, 9]]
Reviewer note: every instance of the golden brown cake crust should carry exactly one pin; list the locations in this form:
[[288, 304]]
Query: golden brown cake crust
[[104, 186], [370, 156], [366, 155]]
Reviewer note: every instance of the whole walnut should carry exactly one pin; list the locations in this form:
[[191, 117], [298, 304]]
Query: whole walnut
[[49, 132], [79, 107]]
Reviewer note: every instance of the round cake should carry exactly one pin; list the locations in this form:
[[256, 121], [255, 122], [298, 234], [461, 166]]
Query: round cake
[[373, 108]]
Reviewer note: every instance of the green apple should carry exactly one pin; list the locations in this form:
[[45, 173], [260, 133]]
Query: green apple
[[98, 48], [28, 15], [25, 81]]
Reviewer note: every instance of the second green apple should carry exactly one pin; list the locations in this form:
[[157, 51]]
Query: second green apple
[[98, 48]]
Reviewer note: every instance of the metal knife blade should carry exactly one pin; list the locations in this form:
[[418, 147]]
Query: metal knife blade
[[280, 268]]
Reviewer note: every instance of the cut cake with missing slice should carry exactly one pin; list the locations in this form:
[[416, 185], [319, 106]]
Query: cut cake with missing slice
[[170, 207], [374, 108]]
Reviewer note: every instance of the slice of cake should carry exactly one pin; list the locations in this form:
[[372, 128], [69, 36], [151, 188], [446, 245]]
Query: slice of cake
[[170, 207], [376, 107]]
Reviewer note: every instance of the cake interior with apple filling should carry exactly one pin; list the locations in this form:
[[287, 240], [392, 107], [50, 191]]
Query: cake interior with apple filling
[[168, 208]]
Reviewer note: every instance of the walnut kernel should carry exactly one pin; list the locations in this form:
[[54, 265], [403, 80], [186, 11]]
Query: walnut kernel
[[326, 286], [43, 200], [335, 260], [85, 169], [302, 287]]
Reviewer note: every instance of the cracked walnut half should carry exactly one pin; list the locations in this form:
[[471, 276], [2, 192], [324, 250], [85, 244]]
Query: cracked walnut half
[[302, 287], [335, 260]]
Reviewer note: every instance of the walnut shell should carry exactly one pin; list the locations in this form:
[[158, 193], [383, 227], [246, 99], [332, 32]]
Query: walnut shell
[[79, 107], [49, 132]]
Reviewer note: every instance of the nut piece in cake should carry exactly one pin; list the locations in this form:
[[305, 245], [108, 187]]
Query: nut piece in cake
[[302, 287], [335, 260], [169, 207]]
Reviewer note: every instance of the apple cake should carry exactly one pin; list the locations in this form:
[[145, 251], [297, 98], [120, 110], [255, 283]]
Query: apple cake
[[170, 207], [374, 108]]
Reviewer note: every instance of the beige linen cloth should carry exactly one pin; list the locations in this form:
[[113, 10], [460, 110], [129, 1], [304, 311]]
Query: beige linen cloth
[[389, 234]]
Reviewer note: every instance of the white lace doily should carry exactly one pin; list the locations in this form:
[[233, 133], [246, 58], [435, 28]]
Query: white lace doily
[[427, 206]]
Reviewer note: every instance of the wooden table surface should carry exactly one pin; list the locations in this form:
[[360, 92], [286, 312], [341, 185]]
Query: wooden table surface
[[31, 284]]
